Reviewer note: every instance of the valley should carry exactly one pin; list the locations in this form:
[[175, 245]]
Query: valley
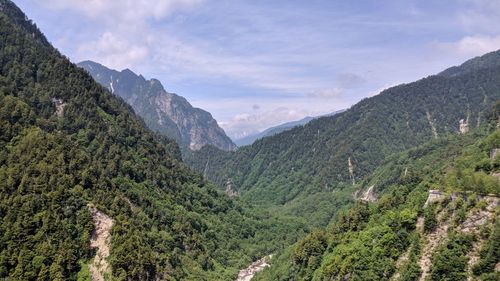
[[105, 175]]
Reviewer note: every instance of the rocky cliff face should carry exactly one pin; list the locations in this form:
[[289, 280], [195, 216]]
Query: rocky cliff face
[[164, 112]]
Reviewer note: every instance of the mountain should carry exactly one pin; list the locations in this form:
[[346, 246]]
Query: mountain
[[88, 192], [490, 60], [278, 129], [164, 112], [331, 153], [436, 218]]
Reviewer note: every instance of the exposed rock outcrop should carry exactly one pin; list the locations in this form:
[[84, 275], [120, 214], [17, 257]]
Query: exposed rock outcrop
[[475, 220], [434, 196], [463, 126], [229, 188], [100, 240], [369, 195], [248, 273], [351, 170], [431, 243], [59, 107], [431, 123]]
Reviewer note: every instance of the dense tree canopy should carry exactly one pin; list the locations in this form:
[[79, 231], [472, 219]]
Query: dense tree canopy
[[169, 223]]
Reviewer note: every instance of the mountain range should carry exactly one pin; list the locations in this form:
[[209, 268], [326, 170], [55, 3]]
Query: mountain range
[[403, 185], [88, 192], [164, 112], [330, 153], [247, 140]]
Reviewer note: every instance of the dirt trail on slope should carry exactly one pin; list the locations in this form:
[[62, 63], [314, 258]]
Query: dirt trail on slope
[[248, 273], [100, 239]]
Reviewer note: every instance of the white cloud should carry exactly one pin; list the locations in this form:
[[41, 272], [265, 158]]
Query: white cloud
[[128, 10], [113, 51], [305, 64], [245, 124], [471, 45], [326, 94], [238, 120]]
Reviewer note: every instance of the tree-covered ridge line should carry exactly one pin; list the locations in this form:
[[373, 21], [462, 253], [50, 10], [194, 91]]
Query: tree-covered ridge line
[[399, 237], [290, 167], [169, 223]]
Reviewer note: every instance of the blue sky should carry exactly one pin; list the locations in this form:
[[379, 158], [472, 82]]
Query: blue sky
[[254, 64]]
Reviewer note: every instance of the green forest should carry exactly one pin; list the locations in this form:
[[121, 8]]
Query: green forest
[[307, 166], [367, 241], [169, 222], [68, 145]]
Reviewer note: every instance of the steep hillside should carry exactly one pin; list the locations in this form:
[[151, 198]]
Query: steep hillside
[[86, 189], [437, 218], [164, 112], [315, 158]]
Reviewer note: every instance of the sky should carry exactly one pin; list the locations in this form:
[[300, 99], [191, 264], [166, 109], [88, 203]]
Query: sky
[[257, 63]]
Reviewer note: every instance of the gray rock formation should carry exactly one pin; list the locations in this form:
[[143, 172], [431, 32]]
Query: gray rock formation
[[463, 126], [229, 188], [59, 107], [351, 170], [434, 196], [164, 112]]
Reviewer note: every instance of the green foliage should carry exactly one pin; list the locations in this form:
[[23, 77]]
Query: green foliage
[[473, 170], [148, 98], [450, 261], [489, 254], [410, 271], [84, 273], [290, 166], [309, 250], [168, 222], [366, 240], [430, 220]]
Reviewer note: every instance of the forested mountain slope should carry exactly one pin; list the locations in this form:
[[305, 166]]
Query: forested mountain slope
[[437, 218], [164, 112], [314, 158], [73, 155]]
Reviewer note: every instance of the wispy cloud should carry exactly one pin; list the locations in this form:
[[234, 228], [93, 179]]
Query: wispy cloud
[[131, 11], [114, 51], [290, 58], [471, 45]]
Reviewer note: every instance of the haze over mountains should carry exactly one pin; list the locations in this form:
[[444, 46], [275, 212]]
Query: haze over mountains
[[404, 185], [164, 112], [277, 129]]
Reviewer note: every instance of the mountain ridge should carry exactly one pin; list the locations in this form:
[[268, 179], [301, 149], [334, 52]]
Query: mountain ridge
[[313, 159], [164, 112], [70, 151], [247, 140]]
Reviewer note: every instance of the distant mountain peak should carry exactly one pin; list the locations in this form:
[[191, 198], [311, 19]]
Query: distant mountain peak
[[164, 112], [251, 138]]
